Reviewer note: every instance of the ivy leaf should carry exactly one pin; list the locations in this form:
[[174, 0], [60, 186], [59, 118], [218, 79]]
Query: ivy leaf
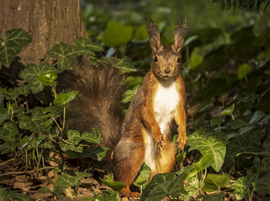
[[216, 121], [117, 34], [93, 137], [24, 142], [32, 71], [98, 154], [209, 143], [8, 147], [193, 169], [243, 70], [237, 123], [67, 54], [9, 132], [212, 197], [115, 185], [215, 182], [23, 90], [70, 147], [109, 195], [242, 185], [124, 64], [44, 190], [44, 95], [86, 44], [257, 116], [140, 35], [142, 178], [63, 182], [163, 185], [3, 115], [263, 184], [129, 94], [75, 136], [12, 44], [228, 111], [65, 98], [35, 123], [47, 79]]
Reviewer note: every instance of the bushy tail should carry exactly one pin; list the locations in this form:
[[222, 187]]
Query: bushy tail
[[98, 102]]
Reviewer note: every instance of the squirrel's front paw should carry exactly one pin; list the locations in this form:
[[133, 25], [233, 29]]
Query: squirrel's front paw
[[182, 140], [158, 138]]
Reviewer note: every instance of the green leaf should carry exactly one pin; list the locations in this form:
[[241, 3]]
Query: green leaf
[[117, 34], [98, 154], [44, 190], [9, 132], [47, 79], [93, 137], [24, 142], [143, 176], [162, 185], [195, 59], [56, 170], [115, 185], [237, 123], [140, 35], [12, 44], [195, 168], [228, 110], [3, 115], [209, 143], [257, 116], [109, 195], [65, 98], [263, 184], [243, 70], [216, 121], [74, 136], [69, 147], [35, 123], [8, 147], [23, 90], [44, 95], [63, 182], [180, 158], [212, 197], [242, 185], [67, 54], [32, 71], [124, 64], [215, 182], [86, 44], [129, 94]]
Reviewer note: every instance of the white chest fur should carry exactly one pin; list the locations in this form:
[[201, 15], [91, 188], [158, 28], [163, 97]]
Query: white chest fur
[[165, 104]]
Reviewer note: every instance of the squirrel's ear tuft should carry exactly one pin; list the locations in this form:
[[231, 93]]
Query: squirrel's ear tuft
[[179, 33], [153, 33]]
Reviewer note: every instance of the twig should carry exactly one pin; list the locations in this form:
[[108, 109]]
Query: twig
[[9, 173], [10, 160]]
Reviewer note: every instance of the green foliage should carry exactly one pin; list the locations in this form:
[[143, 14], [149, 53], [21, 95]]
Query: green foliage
[[117, 34], [115, 185], [12, 44]]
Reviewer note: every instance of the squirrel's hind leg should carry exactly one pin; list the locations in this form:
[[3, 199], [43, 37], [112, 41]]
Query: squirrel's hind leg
[[165, 159], [128, 159]]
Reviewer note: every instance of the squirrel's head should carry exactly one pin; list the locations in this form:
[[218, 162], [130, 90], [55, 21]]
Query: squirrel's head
[[166, 60]]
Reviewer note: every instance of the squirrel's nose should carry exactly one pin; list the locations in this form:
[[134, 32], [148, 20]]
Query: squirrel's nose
[[167, 71]]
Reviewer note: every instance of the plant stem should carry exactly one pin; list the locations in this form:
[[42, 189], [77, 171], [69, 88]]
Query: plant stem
[[257, 176], [56, 123], [64, 120]]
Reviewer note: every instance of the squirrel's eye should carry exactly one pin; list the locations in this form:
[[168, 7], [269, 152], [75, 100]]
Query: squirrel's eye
[[155, 59], [178, 60]]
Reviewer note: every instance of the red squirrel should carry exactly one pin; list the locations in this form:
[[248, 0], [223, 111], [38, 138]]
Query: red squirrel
[[144, 135]]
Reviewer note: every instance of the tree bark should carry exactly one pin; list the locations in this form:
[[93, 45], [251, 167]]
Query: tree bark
[[47, 21]]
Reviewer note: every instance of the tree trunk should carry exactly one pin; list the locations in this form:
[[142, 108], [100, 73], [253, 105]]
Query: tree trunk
[[48, 22]]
